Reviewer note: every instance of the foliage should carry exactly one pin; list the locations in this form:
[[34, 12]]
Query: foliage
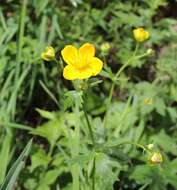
[[36, 101]]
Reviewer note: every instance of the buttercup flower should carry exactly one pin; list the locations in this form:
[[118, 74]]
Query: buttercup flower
[[48, 54], [140, 34], [81, 63], [156, 158]]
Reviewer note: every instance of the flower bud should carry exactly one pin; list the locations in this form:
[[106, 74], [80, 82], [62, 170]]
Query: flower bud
[[105, 47], [140, 34], [150, 146], [48, 54], [156, 158], [148, 101], [150, 51]]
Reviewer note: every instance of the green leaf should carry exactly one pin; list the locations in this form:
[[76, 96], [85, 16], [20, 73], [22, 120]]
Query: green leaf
[[14, 172], [39, 159], [4, 156], [165, 141], [142, 174], [50, 130], [160, 106], [107, 171], [49, 177], [46, 114]]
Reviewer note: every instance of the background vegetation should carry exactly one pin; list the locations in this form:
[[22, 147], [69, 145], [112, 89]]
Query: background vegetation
[[28, 83]]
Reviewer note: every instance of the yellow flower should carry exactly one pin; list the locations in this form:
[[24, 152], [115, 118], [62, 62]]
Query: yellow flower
[[156, 158], [140, 34], [48, 54], [148, 101], [81, 63]]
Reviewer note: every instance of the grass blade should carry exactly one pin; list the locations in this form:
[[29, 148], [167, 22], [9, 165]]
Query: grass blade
[[16, 168]]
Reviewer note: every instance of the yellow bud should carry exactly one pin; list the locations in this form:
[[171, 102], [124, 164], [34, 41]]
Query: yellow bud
[[105, 47], [48, 54], [150, 146], [156, 158], [150, 51], [140, 34], [148, 101]]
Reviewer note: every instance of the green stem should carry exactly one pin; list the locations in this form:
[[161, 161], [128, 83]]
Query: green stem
[[114, 83], [59, 63], [136, 49], [91, 136], [75, 146], [87, 120], [51, 150], [93, 178], [132, 143]]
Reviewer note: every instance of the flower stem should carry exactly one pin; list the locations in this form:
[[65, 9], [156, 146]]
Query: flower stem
[[93, 178], [132, 143], [114, 83], [87, 120], [91, 136], [75, 149]]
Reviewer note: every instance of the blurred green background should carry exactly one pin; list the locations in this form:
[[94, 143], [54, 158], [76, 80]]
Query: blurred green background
[[27, 82]]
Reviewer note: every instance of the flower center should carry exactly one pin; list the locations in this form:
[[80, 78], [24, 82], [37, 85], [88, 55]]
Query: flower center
[[81, 62]]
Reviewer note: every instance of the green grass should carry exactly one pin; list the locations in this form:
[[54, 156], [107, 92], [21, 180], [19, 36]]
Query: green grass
[[73, 149]]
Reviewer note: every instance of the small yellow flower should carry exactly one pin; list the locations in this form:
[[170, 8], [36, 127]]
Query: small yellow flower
[[148, 101], [48, 54], [105, 47], [156, 158], [81, 63], [140, 34]]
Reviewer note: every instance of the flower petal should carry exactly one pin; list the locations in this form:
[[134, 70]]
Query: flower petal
[[70, 72], [84, 73], [96, 65], [70, 54], [87, 50], [147, 34]]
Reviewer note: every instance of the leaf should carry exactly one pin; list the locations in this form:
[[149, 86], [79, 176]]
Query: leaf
[[4, 156], [30, 183], [71, 97], [14, 171], [39, 159], [46, 114], [107, 171], [49, 179], [165, 141], [142, 174], [50, 130], [160, 106]]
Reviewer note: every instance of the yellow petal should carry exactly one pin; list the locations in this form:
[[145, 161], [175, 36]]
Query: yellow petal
[[70, 54], [84, 73], [87, 50], [140, 34], [96, 65], [70, 72], [147, 34]]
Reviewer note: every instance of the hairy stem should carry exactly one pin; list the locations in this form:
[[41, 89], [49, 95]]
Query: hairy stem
[[114, 83]]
